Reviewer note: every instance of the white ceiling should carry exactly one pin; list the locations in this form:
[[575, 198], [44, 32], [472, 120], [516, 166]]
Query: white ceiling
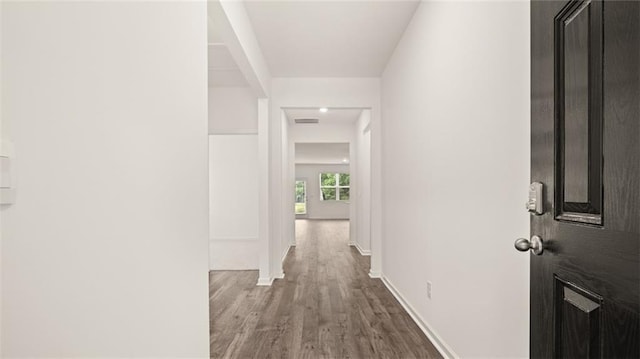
[[333, 116], [329, 38], [322, 153]]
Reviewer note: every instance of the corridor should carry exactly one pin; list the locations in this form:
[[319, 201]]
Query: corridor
[[325, 307]]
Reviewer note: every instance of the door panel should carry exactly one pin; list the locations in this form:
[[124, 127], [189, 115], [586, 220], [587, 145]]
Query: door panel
[[578, 111], [578, 325], [585, 123]]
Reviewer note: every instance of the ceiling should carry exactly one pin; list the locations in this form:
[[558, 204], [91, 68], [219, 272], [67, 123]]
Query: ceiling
[[322, 153], [329, 38], [333, 116]]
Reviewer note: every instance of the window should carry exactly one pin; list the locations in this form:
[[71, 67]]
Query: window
[[334, 186], [301, 197]]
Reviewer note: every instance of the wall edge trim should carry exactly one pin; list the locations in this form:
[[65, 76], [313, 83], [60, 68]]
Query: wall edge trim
[[286, 252], [265, 282], [363, 252]]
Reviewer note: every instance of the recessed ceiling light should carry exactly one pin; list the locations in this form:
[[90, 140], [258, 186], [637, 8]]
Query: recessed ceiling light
[[324, 109], [345, 160]]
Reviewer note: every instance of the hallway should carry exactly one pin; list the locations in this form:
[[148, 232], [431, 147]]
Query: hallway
[[325, 307]]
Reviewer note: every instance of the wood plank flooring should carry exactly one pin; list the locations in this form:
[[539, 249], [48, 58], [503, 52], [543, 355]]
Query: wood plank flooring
[[325, 307]]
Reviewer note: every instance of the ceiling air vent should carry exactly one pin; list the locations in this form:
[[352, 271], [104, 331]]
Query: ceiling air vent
[[306, 120]]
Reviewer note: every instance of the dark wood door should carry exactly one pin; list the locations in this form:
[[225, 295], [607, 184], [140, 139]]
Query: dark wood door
[[585, 149]]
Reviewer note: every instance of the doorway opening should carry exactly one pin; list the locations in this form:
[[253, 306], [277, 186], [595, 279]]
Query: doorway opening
[[328, 171], [322, 173], [301, 198]]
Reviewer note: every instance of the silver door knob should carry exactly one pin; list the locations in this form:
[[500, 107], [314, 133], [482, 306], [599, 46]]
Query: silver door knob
[[523, 245]]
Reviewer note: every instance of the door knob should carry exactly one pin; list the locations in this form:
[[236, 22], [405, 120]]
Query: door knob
[[523, 245]]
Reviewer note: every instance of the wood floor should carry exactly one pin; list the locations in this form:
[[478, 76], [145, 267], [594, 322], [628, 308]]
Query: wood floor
[[325, 307]]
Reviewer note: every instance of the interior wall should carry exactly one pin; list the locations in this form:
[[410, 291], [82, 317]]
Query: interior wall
[[314, 93], [233, 179], [105, 249], [1, 139], [233, 202], [456, 133], [230, 21], [362, 138], [289, 182], [232, 110], [264, 184], [316, 208], [322, 133]]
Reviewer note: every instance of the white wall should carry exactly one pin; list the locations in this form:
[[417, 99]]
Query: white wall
[[1, 139], [233, 202], [362, 138], [232, 110], [314, 93], [264, 184], [322, 133], [232, 23], [316, 208], [105, 250], [233, 176], [455, 104]]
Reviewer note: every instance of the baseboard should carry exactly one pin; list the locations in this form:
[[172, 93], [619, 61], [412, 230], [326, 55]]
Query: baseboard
[[362, 251], [265, 282], [373, 274], [284, 256], [437, 341], [286, 251]]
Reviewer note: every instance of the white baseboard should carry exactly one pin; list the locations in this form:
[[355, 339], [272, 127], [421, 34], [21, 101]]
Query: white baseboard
[[373, 274], [363, 252], [265, 282], [281, 274], [437, 341], [286, 251]]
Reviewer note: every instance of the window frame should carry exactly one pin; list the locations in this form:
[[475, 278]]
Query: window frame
[[337, 187]]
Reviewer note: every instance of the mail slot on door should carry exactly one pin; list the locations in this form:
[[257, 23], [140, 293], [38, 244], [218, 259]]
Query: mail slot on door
[[536, 199]]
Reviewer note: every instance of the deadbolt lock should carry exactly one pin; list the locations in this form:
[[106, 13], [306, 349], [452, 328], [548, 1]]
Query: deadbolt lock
[[536, 199]]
